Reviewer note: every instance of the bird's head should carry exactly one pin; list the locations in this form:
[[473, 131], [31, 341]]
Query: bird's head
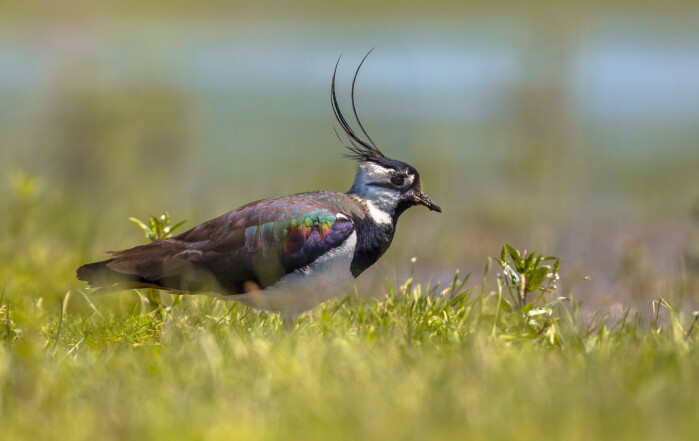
[[390, 186], [387, 185]]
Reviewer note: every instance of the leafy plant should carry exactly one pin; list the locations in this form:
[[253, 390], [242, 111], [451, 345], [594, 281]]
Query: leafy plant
[[528, 273], [525, 273], [158, 227]]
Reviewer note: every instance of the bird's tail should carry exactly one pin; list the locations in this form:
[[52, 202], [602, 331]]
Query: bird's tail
[[99, 275]]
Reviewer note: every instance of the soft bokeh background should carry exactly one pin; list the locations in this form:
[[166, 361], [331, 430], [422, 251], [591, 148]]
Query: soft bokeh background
[[571, 130]]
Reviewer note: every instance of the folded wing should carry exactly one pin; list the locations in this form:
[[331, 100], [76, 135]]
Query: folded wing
[[248, 248]]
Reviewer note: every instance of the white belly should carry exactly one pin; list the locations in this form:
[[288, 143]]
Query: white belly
[[305, 288]]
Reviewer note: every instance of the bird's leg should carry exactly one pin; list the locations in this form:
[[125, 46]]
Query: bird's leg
[[288, 319]]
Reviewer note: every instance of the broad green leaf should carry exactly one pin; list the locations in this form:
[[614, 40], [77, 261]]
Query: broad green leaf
[[557, 266], [516, 258], [535, 278], [140, 224], [528, 262]]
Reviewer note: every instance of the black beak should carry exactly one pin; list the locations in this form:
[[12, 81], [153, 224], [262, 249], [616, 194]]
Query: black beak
[[422, 199]]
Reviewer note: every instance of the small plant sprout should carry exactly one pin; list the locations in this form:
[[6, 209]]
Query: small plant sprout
[[530, 273], [524, 273], [158, 227]]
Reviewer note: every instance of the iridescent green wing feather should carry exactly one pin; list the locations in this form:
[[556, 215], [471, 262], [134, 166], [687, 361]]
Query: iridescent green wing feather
[[255, 245]]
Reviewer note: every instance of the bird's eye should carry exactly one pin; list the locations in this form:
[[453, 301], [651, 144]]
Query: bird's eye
[[397, 180]]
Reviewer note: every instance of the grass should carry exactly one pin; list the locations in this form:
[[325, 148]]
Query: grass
[[415, 362], [482, 358]]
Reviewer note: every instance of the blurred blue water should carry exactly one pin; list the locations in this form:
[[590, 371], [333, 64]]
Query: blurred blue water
[[630, 74]]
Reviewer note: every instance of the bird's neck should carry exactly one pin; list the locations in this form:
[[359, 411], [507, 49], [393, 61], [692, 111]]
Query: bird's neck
[[375, 228], [380, 203], [373, 239]]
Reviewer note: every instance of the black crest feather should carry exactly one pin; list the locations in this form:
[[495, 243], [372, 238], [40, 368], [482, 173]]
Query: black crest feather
[[360, 148]]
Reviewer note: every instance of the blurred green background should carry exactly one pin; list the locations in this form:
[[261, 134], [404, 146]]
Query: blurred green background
[[572, 130]]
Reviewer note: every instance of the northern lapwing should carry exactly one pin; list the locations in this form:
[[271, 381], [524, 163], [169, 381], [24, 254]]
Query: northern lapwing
[[286, 254]]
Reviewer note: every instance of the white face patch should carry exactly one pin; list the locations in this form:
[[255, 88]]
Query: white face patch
[[381, 201], [368, 173], [375, 172], [377, 214], [371, 172]]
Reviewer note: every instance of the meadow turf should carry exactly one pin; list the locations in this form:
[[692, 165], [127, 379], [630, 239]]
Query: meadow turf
[[399, 361], [414, 362]]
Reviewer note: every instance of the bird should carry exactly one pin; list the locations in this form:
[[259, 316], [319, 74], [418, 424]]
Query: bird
[[286, 254]]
